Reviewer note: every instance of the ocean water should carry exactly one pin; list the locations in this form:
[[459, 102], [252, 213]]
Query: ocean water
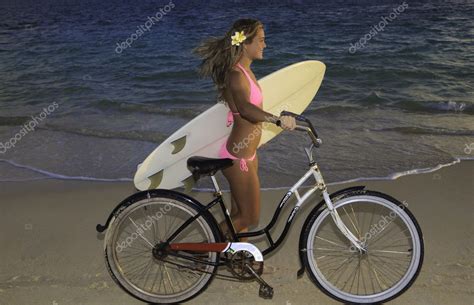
[[400, 100]]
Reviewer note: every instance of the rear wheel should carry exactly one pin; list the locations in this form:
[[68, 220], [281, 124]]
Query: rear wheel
[[393, 256], [154, 276]]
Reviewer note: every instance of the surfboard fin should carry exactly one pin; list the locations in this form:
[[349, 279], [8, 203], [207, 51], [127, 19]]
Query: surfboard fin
[[155, 180], [178, 145], [188, 183]]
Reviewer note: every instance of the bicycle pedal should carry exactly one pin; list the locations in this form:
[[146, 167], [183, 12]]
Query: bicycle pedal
[[265, 291]]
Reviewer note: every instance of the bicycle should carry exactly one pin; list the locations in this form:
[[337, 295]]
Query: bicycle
[[357, 246]]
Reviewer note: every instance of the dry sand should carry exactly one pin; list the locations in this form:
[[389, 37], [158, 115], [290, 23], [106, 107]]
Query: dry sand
[[51, 254]]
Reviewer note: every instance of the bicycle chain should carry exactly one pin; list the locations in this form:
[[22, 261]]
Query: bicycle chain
[[219, 275]]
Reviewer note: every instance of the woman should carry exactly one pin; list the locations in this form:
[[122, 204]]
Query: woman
[[227, 60]]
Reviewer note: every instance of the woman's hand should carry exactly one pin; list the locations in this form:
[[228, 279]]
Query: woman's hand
[[287, 122]]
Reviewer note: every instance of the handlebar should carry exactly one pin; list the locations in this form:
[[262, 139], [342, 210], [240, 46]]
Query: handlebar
[[309, 128]]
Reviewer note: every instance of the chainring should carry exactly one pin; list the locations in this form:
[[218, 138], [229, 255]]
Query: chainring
[[238, 269]]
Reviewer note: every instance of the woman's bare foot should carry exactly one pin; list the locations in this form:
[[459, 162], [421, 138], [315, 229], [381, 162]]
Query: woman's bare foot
[[225, 231], [228, 236]]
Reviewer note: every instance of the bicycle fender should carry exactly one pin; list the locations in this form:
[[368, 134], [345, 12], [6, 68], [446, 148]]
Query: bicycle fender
[[336, 195], [148, 194]]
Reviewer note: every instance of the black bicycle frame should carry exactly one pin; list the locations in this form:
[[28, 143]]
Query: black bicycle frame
[[266, 230]]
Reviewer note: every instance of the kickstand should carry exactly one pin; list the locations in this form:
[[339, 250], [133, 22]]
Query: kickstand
[[265, 291]]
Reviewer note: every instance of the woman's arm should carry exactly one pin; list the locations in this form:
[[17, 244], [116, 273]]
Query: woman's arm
[[240, 94]]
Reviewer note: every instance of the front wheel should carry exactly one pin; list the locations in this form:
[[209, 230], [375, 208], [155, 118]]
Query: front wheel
[[393, 242]]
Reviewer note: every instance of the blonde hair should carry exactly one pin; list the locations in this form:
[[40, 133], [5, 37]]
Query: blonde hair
[[219, 55]]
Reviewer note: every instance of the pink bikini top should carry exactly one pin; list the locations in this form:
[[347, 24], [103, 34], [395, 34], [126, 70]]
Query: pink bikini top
[[256, 96]]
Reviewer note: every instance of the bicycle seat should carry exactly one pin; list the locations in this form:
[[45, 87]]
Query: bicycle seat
[[207, 166]]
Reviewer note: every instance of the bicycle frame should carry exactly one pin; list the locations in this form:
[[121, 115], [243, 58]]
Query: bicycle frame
[[301, 199]]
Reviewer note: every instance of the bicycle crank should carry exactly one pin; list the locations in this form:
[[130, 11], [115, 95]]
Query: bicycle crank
[[265, 291]]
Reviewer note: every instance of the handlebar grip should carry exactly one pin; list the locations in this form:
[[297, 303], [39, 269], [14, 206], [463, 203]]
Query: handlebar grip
[[302, 119], [296, 116]]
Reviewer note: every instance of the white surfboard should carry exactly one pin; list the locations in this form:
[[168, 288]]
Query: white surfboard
[[291, 88]]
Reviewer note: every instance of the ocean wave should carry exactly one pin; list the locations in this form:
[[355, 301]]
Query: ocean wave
[[136, 135], [147, 108], [18, 26], [167, 75], [375, 99], [397, 175], [51, 175], [384, 73], [332, 109], [435, 107], [427, 130], [13, 120]]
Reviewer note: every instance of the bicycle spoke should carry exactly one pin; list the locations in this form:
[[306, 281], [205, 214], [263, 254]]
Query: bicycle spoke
[[343, 263], [353, 278], [140, 234], [330, 263], [329, 249], [331, 242], [168, 277], [393, 252], [396, 263], [153, 223], [171, 226], [387, 273], [136, 250], [137, 270], [383, 244], [376, 275], [387, 234], [152, 288], [396, 258], [352, 222]]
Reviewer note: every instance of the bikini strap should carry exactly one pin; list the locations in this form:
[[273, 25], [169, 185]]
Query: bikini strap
[[251, 82], [245, 72]]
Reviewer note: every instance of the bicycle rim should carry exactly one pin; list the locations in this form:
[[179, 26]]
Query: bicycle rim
[[393, 257], [131, 238]]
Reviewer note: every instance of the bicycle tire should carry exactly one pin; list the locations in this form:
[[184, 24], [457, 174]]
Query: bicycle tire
[[207, 222], [316, 219]]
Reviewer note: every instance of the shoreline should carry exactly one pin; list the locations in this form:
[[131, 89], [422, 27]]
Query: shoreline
[[392, 176]]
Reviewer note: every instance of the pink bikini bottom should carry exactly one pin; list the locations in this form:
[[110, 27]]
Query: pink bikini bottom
[[224, 153]]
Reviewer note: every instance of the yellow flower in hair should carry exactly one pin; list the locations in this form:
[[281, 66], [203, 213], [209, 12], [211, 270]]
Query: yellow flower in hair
[[238, 38]]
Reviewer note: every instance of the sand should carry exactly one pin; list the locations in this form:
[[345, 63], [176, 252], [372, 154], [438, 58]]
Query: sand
[[51, 254]]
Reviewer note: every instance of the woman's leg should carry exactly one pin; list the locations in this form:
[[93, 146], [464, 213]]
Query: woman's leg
[[245, 188], [234, 211], [255, 163]]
